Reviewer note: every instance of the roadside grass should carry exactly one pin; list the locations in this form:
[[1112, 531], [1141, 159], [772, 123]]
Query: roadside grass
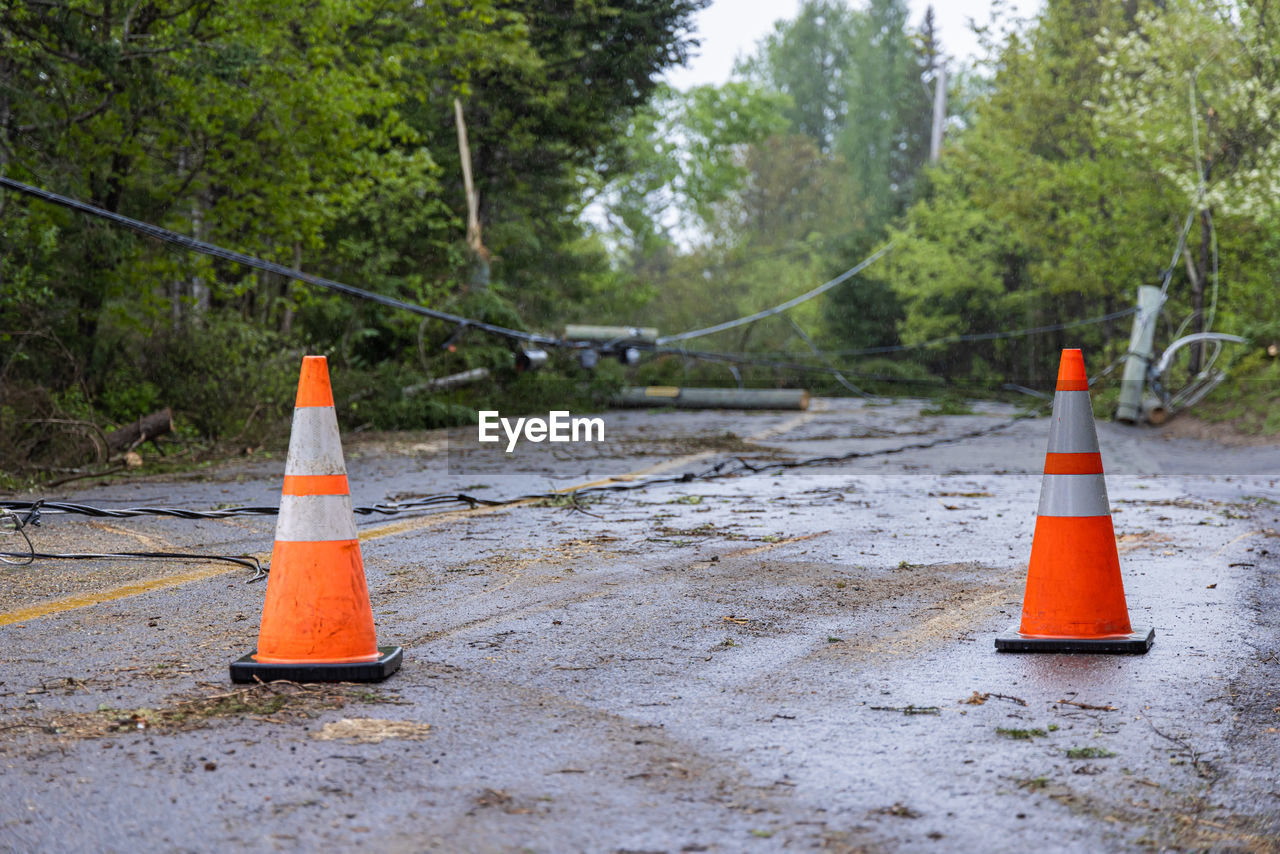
[[1089, 753], [1247, 398], [948, 404], [1021, 734]]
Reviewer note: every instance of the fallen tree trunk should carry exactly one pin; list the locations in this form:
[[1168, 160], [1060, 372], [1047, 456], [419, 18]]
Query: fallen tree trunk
[[144, 429]]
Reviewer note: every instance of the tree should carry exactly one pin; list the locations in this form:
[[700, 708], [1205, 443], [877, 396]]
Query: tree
[[809, 59], [318, 135], [548, 121], [1195, 90], [1032, 216], [886, 135], [685, 159], [855, 82]]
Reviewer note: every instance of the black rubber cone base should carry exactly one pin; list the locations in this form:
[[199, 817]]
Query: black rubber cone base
[[246, 670], [1135, 643]]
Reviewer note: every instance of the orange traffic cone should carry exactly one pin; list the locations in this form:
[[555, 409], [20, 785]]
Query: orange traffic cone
[[317, 624], [1074, 601]]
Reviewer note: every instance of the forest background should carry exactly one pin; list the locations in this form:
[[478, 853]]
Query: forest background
[[321, 135]]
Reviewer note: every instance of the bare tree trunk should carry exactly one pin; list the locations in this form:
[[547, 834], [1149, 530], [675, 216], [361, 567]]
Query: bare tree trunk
[[4, 134], [200, 290], [286, 322], [479, 252]]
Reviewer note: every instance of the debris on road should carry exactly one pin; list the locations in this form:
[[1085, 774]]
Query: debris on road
[[371, 730]]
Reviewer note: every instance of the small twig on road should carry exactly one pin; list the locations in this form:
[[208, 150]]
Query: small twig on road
[[908, 710], [1203, 767], [103, 473], [1087, 706], [978, 699]]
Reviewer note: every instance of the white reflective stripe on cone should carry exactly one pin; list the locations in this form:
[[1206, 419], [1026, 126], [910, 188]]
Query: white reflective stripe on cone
[[1074, 495], [315, 518], [314, 446], [1071, 429]]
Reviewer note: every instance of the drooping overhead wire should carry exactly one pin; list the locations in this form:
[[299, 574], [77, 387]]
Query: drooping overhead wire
[[1202, 191], [984, 336], [214, 251], [789, 304], [779, 361], [1166, 278], [813, 348]]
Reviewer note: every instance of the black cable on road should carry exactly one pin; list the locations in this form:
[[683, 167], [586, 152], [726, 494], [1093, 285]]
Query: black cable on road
[[36, 508], [24, 558], [730, 467], [737, 466], [17, 515]]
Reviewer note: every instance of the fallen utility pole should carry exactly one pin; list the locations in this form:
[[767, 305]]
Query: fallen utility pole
[[713, 398], [1138, 360]]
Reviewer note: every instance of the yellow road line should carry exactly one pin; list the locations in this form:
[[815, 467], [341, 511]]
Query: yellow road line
[[391, 529], [84, 600]]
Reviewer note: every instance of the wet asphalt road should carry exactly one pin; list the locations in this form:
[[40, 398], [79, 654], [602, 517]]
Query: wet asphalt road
[[773, 662]]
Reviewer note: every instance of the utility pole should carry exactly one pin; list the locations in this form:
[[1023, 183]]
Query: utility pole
[[939, 110], [939, 87]]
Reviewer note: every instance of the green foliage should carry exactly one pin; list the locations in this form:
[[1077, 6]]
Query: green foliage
[[221, 377], [1193, 87], [1032, 217], [885, 137], [810, 59], [316, 135], [777, 183], [545, 121], [854, 78], [684, 163], [1247, 399]]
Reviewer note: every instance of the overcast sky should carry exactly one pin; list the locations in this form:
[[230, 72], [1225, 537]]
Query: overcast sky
[[728, 28]]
